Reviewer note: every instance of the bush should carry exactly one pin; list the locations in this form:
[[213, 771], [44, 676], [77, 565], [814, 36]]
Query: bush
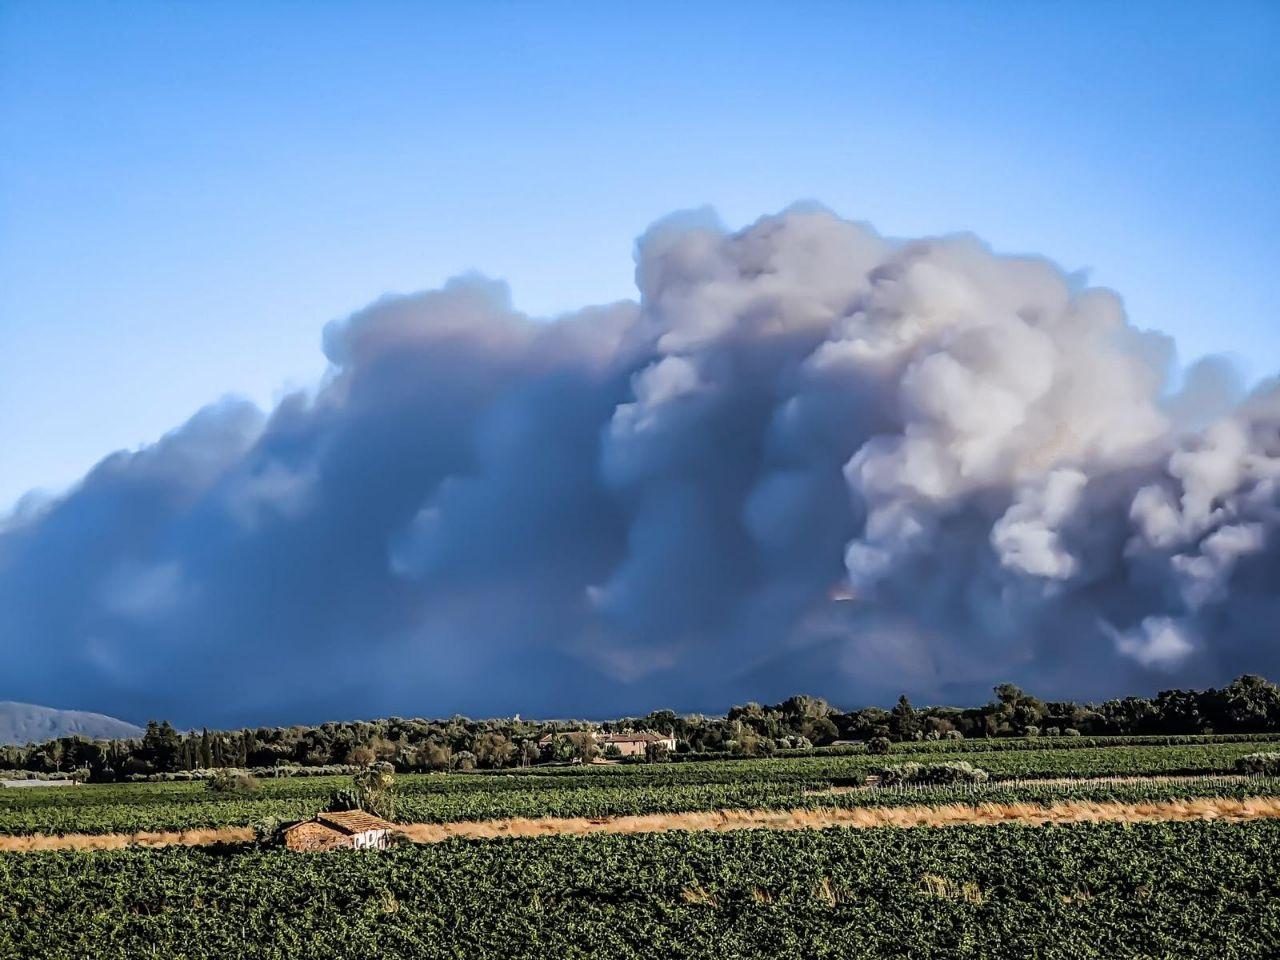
[[1070, 732], [232, 781], [956, 771], [656, 752], [953, 735], [878, 745], [267, 831], [372, 790], [1260, 764]]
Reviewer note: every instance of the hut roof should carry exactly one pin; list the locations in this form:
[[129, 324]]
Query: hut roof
[[353, 821]]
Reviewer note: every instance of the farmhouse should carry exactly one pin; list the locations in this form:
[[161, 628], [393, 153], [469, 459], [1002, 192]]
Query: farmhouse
[[344, 829], [635, 744], [628, 744]]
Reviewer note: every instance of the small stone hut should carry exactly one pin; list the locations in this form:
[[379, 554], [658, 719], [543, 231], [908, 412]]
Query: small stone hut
[[337, 830]]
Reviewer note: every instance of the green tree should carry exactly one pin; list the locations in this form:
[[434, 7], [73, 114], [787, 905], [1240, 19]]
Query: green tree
[[656, 752], [206, 750], [904, 721], [1250, 703], [494, 750], [160, 746], [529, 753], [585, 748]]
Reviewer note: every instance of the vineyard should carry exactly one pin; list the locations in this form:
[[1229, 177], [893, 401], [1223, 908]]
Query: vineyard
[[614, 790], [1092, 890], [1189, 885]]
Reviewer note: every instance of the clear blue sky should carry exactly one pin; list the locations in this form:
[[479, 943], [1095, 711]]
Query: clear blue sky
[[189, 191]]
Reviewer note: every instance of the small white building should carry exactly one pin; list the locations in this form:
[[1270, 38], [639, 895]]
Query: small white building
[[17, 784]]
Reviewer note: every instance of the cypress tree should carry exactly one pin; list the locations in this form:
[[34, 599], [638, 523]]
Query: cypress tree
[[206, 750]]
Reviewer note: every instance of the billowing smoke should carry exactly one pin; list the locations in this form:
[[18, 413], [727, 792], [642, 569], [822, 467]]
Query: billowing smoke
[[808, 459]]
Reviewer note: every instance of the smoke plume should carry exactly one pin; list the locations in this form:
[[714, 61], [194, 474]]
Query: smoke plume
[[808, 458]]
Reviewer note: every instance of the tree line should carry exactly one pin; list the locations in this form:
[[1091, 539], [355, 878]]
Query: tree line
[[1249, 704]]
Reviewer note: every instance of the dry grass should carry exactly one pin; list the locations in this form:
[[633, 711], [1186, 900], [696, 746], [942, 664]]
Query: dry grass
[[1057, 782], [827, 893], [115, 841], [948, 889], [956, 814], [699, 895], [1077, 811]]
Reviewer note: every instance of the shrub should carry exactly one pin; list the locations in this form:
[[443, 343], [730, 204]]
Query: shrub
[[656, 753], [1070, 732], [879, 745], [231, 781], [372, 790], [953, 735], [956, 771], [1264, 764], [266, 832]]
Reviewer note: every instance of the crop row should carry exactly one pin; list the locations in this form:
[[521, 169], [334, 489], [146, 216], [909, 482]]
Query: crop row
[[609, 799], [1196, 889], [576, 792]]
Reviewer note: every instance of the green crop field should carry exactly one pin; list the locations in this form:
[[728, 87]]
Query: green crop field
[[1100, 889], [596, 791], [1198, 889]]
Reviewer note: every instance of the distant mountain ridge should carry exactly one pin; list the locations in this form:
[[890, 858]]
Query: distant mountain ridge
[[23, 723]]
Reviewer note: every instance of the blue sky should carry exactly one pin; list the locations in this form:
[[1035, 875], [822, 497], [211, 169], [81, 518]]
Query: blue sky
[[188, 192]]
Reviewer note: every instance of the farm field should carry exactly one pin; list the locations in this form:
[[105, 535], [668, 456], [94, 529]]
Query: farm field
[[1099, 849], [796, 782], [1090, 890]]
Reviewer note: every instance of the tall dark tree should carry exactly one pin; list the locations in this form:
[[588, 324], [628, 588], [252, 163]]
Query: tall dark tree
[[160, 746], [206, 750], [904, 721]]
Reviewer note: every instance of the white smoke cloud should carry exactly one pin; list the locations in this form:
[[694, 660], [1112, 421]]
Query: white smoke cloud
[[807, 458], [1158, 642]]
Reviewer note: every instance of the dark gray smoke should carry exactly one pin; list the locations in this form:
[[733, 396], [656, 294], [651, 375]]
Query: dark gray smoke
[[808, 459]]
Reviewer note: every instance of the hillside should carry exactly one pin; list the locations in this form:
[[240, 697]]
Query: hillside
[[23, 723]]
